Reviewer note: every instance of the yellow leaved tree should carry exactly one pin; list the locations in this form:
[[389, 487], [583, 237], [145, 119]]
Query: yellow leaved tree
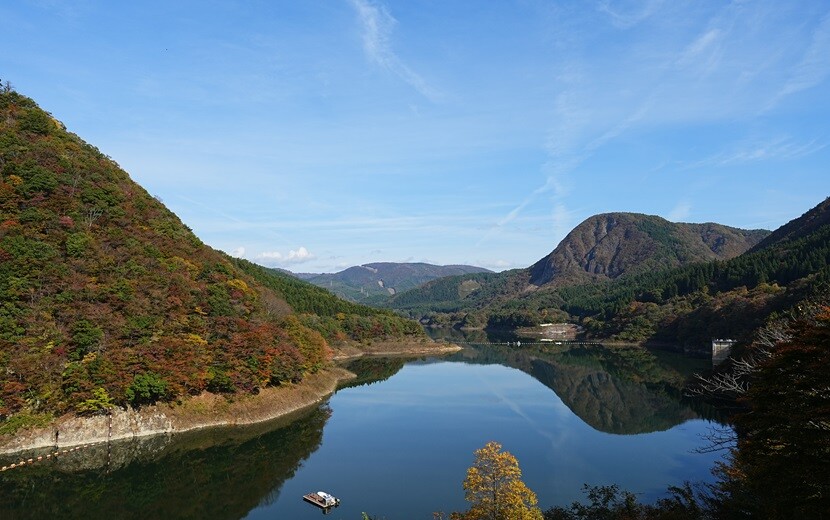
[[495, 490]]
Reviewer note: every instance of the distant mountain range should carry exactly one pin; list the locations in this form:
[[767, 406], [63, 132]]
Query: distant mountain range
[[378, 282], [602, 248]]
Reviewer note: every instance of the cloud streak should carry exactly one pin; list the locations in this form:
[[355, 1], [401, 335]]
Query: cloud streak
[[626, 19], [814, 66], [776, 149], [378, 25]]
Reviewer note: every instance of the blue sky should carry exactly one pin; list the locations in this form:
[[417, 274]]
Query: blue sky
[[315, 135]]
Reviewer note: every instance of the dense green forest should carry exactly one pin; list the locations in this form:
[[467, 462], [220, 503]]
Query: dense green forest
[[107, 298]]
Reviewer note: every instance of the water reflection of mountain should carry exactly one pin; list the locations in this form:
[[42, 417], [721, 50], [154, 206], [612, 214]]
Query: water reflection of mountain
[[615, 390], [218, 474], [371, 369], [614, 403]]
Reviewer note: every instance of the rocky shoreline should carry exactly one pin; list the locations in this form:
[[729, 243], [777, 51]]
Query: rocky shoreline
[[209, 410], [203, 411], [393, 348]]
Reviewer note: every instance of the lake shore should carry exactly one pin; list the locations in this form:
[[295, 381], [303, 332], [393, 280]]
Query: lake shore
[[209, 410], [206, 410], [410, 347]]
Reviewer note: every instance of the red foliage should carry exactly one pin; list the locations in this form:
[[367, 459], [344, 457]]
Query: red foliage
[[11, 395]]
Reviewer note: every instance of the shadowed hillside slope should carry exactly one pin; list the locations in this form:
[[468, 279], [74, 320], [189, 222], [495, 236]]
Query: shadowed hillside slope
[[798, 228]]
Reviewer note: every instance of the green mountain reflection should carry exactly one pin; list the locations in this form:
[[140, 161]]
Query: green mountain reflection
[[619, 390]]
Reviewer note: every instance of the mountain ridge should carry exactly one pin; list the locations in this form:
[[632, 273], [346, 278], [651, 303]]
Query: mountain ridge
[[609, 245], [376, 281], [603, 247], [810, 221]]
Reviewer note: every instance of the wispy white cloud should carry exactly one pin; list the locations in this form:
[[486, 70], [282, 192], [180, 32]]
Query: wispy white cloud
[[628, 121], [814, 66], [446, 223], [239, 252], [551, 184], [574, 137], [700, 45], [696, 73], [780, 149], [704, 54], [562, 220], [378, 25]]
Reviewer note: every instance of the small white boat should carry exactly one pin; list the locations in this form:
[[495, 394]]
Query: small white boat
[[322, 499]]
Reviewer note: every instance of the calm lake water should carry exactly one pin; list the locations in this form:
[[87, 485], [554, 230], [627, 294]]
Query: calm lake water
[[398, 442]]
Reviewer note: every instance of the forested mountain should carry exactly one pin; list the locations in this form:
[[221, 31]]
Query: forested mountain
[[463, 293], [377, 282], [731, 298], [610, 245], [106, 297]]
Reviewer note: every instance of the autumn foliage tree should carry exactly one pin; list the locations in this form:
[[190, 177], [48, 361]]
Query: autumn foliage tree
[[495, 490], [781, 467]]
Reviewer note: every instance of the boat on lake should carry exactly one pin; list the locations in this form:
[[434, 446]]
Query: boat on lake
[[322, 499]]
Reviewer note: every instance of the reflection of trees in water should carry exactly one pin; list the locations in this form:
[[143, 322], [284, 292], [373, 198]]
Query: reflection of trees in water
[[621, 390], [372, 370], [213, 475], [613, 404]]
